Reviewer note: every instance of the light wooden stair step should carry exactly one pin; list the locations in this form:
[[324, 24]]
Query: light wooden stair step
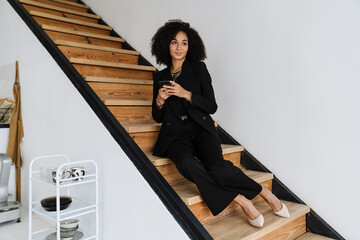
[[80, 33], [190, 194], [95, 47], [118, 80], [71, 3], [312, 236], [159, 161], [147, 127], [142, 127], [69, 20], [111, 64], [236, 226], [60, 9], [127, 102]]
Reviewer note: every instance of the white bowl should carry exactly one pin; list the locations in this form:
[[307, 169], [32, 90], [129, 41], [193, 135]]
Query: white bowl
[[69, 223]]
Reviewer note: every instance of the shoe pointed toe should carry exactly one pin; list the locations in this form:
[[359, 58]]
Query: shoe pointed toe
[[257, 222], [284, 212]]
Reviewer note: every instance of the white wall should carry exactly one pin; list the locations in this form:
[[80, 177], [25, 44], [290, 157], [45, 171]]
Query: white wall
[[286, 76], [58, 120]]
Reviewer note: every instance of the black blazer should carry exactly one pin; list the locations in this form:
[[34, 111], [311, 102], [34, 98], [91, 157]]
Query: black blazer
[[195, 78]]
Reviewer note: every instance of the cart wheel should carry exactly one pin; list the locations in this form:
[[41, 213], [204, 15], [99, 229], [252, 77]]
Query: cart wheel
[[19, 220]]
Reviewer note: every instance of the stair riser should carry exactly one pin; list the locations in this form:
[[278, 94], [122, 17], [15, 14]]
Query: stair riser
[[172, 175], [235, 158], [149, 144], [98, 55], [63, 5], [202, 212], [108, 90], [87, 70], [80, 39], [71, 26], [60, 14], [290, 231], [145, 141], [135, 114]]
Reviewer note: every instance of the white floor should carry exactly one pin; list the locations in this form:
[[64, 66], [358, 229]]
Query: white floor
[[19, 231]]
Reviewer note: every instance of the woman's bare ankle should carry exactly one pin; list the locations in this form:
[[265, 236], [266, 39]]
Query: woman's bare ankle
[[271, 199], [249, 209]]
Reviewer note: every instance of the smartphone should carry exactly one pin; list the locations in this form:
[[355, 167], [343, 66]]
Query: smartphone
[[164, 82]]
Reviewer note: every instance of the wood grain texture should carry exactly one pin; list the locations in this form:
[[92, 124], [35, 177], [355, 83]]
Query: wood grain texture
[[95, 47], [150, 126], [289, 231], [119, 80], [111, 64], [145, 141], [71, 27], [230, 152], [235, 158], [229, 228], [129, 91], [69, 20], [58, 9], [190, 194], [97, 71], [142, 127], [80, 5], [133, 114], [75, 1], [80, 33], [60, 14], [82, 39], [312, 236], [62, 5], [202, 212], [73, 52], [126, 102]]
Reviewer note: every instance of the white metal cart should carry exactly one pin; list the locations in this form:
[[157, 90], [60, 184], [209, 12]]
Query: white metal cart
[[79, 207]]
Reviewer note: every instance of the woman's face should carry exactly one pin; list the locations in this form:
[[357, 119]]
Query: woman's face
[[179, 46]]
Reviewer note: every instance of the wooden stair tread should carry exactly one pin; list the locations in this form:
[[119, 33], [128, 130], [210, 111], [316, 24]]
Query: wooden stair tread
[[60, 9], [190, 194], [236, 226], [127, 102], [312, 236], [118, 80], [71, 3], [111, 64], [80, 33], [95, 47], [68, 20], [142, 127], [159, 161]]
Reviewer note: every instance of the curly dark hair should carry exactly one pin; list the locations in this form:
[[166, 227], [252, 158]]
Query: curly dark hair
[[165, 34]]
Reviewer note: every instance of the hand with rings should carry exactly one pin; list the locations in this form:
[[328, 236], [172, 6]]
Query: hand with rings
[[162, 95], [177, 90]]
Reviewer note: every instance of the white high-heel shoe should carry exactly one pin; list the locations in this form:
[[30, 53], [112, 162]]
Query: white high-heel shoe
[[257, 222], [284, 212]]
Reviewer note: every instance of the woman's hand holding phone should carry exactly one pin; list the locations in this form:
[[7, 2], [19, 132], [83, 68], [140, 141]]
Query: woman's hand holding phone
[[163, 93], [177, 90]]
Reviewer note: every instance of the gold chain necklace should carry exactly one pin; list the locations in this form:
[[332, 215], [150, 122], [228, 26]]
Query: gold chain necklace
[[175, 75]]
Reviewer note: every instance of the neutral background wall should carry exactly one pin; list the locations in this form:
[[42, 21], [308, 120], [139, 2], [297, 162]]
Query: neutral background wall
[[58, 120], [286, 76]]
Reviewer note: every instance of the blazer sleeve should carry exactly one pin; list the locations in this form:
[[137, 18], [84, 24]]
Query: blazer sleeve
[[157, 114], [206, 100]]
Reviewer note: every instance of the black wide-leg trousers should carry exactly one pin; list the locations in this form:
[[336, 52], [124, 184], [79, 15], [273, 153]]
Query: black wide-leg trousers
[[218, 180]]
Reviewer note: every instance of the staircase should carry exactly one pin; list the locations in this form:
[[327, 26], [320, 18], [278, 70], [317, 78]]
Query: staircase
[[125, 88]]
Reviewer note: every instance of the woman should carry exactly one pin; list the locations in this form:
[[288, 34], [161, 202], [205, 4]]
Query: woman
[[184, 105]]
